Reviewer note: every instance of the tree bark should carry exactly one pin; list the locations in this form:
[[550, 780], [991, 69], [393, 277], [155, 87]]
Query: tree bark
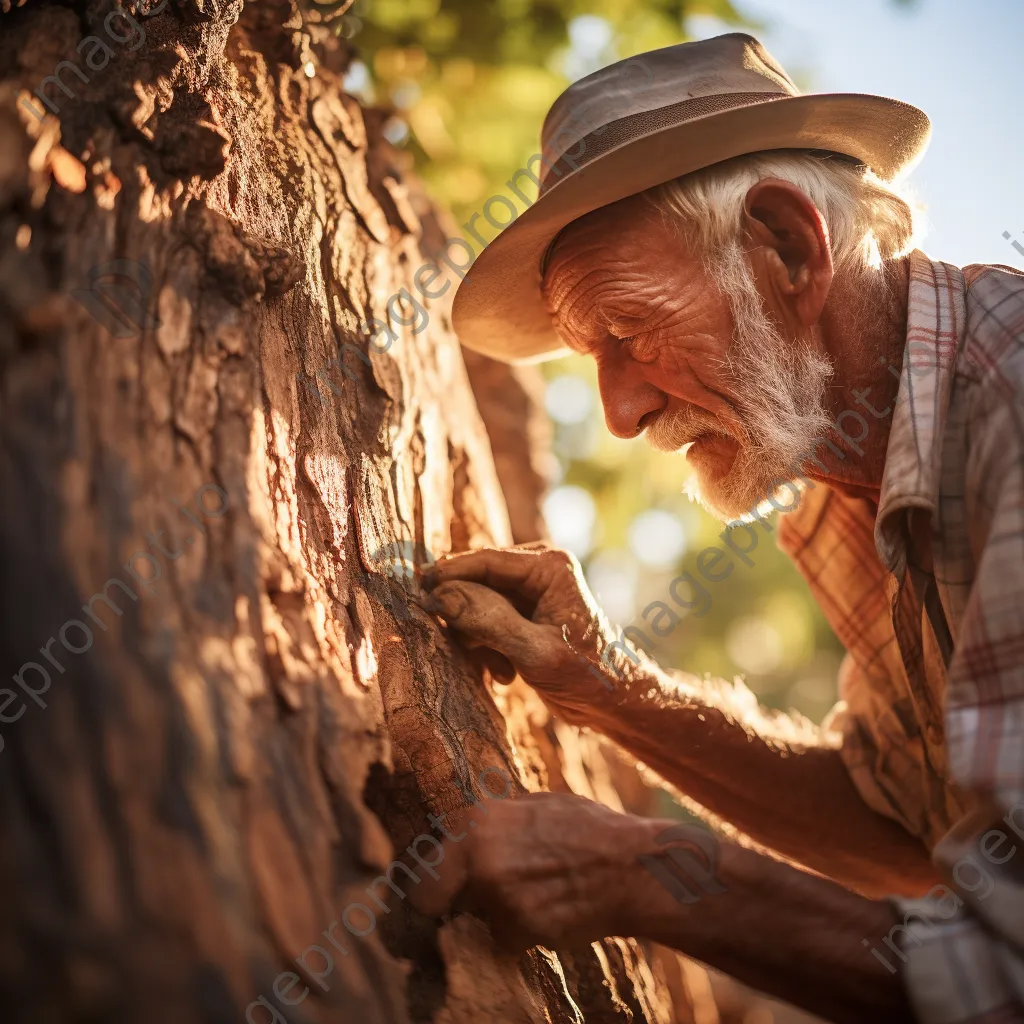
[[205, 768]]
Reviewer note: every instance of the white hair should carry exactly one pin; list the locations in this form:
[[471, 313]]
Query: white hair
[[781, 386], [870, 221]]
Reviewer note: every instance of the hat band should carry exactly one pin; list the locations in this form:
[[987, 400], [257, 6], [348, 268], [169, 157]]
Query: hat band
[[633, 126]]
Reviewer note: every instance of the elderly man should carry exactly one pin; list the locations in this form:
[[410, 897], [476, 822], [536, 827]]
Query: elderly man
[[740, 265]]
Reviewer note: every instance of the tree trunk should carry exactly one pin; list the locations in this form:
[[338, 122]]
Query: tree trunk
[[228, 713]]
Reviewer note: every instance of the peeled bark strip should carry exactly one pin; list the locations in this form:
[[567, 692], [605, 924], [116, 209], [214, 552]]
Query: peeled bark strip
[[260, 719]]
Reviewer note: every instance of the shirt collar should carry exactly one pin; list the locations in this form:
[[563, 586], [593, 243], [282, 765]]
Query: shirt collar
[[936, 320]]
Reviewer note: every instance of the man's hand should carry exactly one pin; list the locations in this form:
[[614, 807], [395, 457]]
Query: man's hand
[[546, 868], [533, 606], [557, 870]]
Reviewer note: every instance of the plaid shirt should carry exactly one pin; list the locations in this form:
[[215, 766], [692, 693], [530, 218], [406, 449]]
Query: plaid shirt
[[926, 593]]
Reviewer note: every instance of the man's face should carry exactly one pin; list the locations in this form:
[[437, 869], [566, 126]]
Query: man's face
[[689, 357]]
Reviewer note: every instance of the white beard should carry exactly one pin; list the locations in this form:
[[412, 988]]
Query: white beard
[[780, 391]]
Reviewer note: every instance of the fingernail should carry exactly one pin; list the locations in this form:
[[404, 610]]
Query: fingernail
[[449, 603]]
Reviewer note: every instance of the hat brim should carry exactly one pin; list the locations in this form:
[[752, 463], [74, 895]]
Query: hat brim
[[498, 308]]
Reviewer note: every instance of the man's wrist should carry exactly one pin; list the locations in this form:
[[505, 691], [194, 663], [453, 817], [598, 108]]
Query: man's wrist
[[635, 706], [636, 893], [623, 686], [668, 866]]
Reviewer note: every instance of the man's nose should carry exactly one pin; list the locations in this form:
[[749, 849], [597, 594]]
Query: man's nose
[[630, 401]]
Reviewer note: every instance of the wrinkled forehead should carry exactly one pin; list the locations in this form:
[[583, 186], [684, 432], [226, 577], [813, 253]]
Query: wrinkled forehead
[[619, 235]]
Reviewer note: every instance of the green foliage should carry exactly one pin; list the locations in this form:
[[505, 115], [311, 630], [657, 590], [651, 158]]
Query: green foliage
[[472, 80]]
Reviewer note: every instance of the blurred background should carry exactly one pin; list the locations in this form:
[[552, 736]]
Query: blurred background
[[467, 84]]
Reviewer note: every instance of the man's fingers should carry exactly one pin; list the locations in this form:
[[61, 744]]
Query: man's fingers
[[511, 569], [490, 619]]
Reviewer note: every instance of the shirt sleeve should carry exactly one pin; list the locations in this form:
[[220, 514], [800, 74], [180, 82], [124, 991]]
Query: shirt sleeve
[[962, 946]]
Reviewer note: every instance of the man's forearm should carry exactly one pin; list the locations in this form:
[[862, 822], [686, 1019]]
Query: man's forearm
[[787, 933], [793, 797]]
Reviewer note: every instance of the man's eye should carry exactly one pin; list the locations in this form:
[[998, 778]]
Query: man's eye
[[638, 347]]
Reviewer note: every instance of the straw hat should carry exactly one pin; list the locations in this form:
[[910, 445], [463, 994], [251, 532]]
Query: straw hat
[[641, 122]]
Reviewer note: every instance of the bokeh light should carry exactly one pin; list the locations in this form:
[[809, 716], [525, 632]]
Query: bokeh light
[[589, 35], [357, 81], [754, 645], [612, 575], [570, 514], [568, 399], [657, 538]]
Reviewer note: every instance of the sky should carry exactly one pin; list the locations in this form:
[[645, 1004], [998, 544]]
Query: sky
[[961, 62]]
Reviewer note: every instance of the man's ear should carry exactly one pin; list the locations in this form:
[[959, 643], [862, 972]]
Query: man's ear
[[790, 250]]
